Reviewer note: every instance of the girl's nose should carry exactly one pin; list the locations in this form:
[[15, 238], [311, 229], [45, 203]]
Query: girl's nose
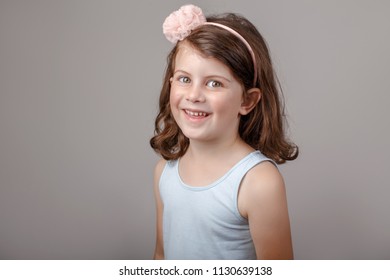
[[195, 94]]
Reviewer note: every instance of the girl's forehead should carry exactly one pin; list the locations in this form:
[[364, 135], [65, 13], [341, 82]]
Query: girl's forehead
[[189, 57], [186, 50]]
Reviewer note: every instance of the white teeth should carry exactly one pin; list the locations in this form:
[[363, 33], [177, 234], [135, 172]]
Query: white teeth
[[196, 114]]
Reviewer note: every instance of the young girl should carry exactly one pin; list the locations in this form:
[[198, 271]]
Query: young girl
[[218, 190]]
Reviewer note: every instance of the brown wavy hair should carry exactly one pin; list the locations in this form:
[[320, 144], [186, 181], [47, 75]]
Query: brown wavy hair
[[263, 127]]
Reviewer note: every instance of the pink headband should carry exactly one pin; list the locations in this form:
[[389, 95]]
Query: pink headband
[[179, 24]]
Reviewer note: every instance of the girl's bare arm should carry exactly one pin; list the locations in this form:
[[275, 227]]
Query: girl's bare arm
[[159, 250], [262, 199]]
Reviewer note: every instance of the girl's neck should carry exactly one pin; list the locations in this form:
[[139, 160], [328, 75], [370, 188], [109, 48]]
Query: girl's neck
[[204, 163], [204, 151]]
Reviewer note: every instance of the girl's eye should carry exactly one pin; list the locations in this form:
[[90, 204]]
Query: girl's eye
[[213, 84], [184, 79]]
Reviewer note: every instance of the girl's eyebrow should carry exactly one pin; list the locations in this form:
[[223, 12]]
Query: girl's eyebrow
[[181, 71], [207, 77], [219, 77]]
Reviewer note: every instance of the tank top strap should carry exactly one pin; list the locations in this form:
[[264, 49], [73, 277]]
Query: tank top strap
[[247, 164]]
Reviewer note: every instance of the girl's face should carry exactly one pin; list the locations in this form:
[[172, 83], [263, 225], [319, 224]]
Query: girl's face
[[205, 97]]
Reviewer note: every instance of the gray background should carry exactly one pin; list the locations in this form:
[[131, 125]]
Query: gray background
[[79, 83]]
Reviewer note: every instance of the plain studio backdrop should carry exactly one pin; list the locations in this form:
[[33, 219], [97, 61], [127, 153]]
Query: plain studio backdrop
[[79, 86]]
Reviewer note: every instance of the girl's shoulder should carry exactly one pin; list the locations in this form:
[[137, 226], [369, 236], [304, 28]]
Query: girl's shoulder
[[262, 185], [264, 175]]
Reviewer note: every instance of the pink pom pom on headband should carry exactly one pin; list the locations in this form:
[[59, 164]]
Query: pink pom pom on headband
[[179, 24]]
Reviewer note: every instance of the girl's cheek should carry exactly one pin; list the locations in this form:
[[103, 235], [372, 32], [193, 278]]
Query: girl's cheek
[[173, 98], [173, 102]]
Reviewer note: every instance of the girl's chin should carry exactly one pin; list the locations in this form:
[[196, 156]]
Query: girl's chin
[[196, 136]]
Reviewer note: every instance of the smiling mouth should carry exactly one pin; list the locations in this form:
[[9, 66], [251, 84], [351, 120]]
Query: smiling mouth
[[196, 113]]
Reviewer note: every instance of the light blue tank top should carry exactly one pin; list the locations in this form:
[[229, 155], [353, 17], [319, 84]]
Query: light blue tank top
[[204, 222]]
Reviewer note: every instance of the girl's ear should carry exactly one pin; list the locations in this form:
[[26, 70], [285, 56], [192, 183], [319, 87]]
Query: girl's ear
[[250, 100]]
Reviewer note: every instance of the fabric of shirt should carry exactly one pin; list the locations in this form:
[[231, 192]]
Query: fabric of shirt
[[204, 222]]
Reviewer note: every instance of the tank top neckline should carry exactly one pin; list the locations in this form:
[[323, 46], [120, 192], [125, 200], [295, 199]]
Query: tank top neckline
[[217, 181]]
